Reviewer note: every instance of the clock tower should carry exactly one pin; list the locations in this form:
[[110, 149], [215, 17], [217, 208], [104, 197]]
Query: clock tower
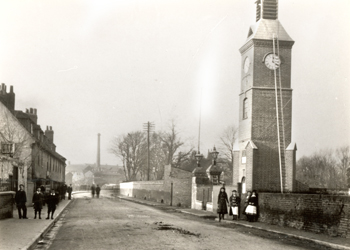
[[264, 155]]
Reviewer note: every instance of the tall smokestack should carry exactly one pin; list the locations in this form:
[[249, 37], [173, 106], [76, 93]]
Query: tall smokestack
[[98, 153]]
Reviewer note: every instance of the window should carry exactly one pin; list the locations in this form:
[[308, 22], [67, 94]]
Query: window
[[245, 108], [244, 157], [8, 148]]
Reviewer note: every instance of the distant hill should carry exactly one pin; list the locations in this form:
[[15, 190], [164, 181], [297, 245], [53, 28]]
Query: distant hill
[[81, 167]]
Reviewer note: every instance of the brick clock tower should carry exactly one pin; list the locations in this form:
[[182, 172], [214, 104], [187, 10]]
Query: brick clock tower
[[264, 156]]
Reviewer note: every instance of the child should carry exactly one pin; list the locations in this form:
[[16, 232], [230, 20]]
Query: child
[[234, 205]]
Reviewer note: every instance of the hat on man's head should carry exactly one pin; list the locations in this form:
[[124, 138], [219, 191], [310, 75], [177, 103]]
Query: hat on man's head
[[21, 185]]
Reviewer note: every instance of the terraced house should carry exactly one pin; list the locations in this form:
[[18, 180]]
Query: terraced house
[[28, 154]]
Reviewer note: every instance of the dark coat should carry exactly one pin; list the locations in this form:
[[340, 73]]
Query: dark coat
[[64, 189], [98, 189], [69, 189], [38, 200], [52, 200], [222, 203], [20, 197], [253, 200], [93, 189]]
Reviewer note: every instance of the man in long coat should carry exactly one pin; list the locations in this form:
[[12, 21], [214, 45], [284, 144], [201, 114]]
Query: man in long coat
[[98, 189], [63, 191], [93, 190], [21, 199], [69, 190], [52, 200], [38, 200]]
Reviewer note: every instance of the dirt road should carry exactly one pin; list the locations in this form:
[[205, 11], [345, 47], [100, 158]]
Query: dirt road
[[116, 224]]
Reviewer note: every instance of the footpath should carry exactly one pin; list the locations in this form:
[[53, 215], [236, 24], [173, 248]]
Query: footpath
[[321, 239], [25, 234]]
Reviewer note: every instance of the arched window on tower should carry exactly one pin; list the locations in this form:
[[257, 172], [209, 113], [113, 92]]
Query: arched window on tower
[[245, 108]]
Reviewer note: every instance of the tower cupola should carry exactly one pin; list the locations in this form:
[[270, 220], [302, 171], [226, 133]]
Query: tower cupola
[[266, 9]]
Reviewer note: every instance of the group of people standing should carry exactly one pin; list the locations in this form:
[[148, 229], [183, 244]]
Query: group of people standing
[[63, 189], [96, 190], [40, 198], [233, 203]]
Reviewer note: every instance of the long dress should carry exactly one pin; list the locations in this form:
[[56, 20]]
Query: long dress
[[246, 201], [222, 203], [252, 205], [234, 205]]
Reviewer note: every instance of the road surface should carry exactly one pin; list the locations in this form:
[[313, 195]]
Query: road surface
[[116, 224]]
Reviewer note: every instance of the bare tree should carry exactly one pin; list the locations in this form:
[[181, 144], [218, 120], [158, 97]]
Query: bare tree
[[319, 170], [16, 140], [171, 143], [227, 138], [343, 157], [164, 149], [131, 149]]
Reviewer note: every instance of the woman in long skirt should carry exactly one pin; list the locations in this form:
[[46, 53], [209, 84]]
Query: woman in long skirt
[[235, 202], [252, 208], [222, 203], [246, 201]]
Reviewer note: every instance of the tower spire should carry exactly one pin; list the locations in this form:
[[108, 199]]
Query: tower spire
[[266, 9]]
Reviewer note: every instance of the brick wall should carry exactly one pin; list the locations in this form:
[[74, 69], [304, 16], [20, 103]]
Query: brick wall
[[177, 180], [6, 204], [311, 212]]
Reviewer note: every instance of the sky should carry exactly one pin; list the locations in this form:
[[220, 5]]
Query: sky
[[108, 67]]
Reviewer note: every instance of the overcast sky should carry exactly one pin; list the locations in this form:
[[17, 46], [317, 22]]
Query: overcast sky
[[107, 67]]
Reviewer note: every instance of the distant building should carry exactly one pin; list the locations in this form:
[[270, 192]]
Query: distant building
[[84, 175], [69, 178]]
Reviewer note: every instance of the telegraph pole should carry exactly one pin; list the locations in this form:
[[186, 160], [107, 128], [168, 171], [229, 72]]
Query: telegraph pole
[[149, 127]]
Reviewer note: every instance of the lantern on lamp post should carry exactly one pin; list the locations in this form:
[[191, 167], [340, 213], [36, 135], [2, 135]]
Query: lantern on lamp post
[[215, 154], [214, 171], [199, 157]]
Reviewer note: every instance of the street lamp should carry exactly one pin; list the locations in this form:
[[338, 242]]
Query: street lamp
[[199, 157], [214, 171], [215, 154]]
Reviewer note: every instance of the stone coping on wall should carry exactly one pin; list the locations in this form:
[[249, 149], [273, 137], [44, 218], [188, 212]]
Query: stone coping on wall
[[7, 193]]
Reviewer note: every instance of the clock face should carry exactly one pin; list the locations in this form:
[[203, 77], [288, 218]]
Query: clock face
[[272, 61], [246, 65]]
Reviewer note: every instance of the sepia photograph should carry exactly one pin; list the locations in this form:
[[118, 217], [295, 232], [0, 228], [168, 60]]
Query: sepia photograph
[[174, 124]]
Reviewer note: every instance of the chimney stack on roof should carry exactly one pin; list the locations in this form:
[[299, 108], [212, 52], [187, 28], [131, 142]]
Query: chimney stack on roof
[[49, 133], [8, 99], [32, 113]]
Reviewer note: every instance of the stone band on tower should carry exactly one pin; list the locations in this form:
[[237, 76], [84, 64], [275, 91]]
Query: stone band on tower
[[264, 155]]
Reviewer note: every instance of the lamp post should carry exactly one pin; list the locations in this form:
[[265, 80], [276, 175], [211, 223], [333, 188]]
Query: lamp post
[[199, 157], [214, 171], [215, 154]]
